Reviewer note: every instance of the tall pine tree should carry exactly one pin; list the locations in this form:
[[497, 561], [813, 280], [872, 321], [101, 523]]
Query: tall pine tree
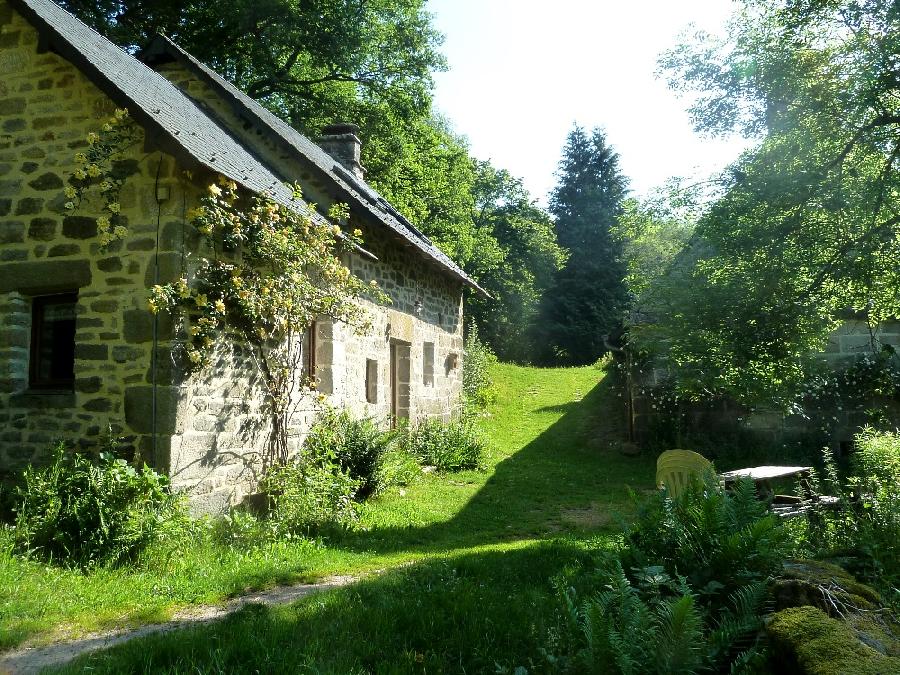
[[585, 306]]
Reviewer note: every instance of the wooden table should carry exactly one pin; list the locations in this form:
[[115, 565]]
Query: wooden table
[[764, 474], [784, 506]]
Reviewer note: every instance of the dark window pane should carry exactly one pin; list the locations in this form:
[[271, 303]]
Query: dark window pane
[[53, 341]]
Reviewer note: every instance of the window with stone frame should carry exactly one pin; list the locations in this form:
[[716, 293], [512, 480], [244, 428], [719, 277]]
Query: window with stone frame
[[310, 360], [371, 381], [428, 364], [52, 354]]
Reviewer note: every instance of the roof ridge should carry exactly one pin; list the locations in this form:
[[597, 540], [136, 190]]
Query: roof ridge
[[357, 189]]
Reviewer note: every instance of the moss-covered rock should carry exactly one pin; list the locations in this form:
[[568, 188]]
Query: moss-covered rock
[[820, 584], [805, 640]]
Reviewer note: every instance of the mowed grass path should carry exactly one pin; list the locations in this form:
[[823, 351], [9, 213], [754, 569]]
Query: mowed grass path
[[554, 472]]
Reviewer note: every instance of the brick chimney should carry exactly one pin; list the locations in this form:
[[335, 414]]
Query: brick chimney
[[342, 142]]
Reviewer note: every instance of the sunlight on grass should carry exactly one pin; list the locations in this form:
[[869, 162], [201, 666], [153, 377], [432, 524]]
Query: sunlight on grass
[[553, 470]]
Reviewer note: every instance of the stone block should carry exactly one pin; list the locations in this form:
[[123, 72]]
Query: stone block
[[170, 268], [113, 264], [13, 255], [142, 244], [102, 404], [104, 306], [62, 250], [44, 275], [12, 232], [42, 229], [5, 206], [29, 206], [88, 385], [138, 326], [79, 227], [89, 352], [12, 106], [46, 181], [125, 354], [139, 409]]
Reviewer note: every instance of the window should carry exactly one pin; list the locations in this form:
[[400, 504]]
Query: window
[[310, 361], [53, 342], [428, 364], [371, 381]]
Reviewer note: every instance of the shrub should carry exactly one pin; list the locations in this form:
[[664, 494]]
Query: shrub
[[355, 446], [867, 528], [656, 624], [478, 358], [85, 512], [310, 498], [717, 540], [448, 446], [396, 467]]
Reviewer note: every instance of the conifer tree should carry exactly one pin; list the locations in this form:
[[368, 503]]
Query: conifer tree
[[585, 306]]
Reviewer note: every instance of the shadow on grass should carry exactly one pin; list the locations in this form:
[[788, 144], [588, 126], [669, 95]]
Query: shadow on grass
[[569, 479], [448, 615]]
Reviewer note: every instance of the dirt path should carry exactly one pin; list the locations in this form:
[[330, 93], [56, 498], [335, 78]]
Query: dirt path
[[34, 659]]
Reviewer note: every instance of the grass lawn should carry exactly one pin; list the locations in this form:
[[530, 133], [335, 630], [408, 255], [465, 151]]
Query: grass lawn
[[553, 473]]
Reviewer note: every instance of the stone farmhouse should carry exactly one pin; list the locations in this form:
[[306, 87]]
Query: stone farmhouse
[[80, 352]]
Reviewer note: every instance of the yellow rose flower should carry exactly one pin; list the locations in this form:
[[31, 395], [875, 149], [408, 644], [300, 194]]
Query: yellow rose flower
[[81, 158], [102, 223], [93, 170], [92, 138], [79, 174], [120, 231], [215, 190], [70, 205], [220, 306], [114, 207], [194, 356], [70, 192]]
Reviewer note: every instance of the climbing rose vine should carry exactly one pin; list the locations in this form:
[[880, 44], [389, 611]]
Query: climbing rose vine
[[268, 271], [272, 269]]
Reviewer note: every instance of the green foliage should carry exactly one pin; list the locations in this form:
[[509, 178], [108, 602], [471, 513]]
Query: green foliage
[[87, 512], [866, 530], [447, 446], [315, 61], [653, 233], [586, 303], [478, 359], [308, 499], [805, 225], [355, 446], [657, 624], [717, 540], [518, 271]]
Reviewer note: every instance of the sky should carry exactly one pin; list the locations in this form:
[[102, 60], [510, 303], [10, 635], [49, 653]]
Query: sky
[[523, 72]]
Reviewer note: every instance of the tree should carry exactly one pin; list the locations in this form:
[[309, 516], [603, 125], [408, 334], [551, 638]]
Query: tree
[[519, 270], [807, 226], [585, 306]]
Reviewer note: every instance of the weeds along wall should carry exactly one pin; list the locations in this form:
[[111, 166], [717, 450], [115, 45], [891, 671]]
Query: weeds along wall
[[206, 430]]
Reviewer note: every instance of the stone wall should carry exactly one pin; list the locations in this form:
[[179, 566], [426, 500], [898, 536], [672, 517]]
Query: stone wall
[[207, 430], [852, 340], [47, 108]]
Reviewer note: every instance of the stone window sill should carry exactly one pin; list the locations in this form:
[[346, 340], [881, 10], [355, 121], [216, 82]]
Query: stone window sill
[[43, 398]]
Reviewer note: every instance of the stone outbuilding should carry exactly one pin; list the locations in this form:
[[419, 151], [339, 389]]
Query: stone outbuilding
[[80, 353]]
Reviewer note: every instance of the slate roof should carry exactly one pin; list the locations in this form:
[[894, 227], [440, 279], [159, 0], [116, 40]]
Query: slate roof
[[355, 190], [179, 125], [152, 100]]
